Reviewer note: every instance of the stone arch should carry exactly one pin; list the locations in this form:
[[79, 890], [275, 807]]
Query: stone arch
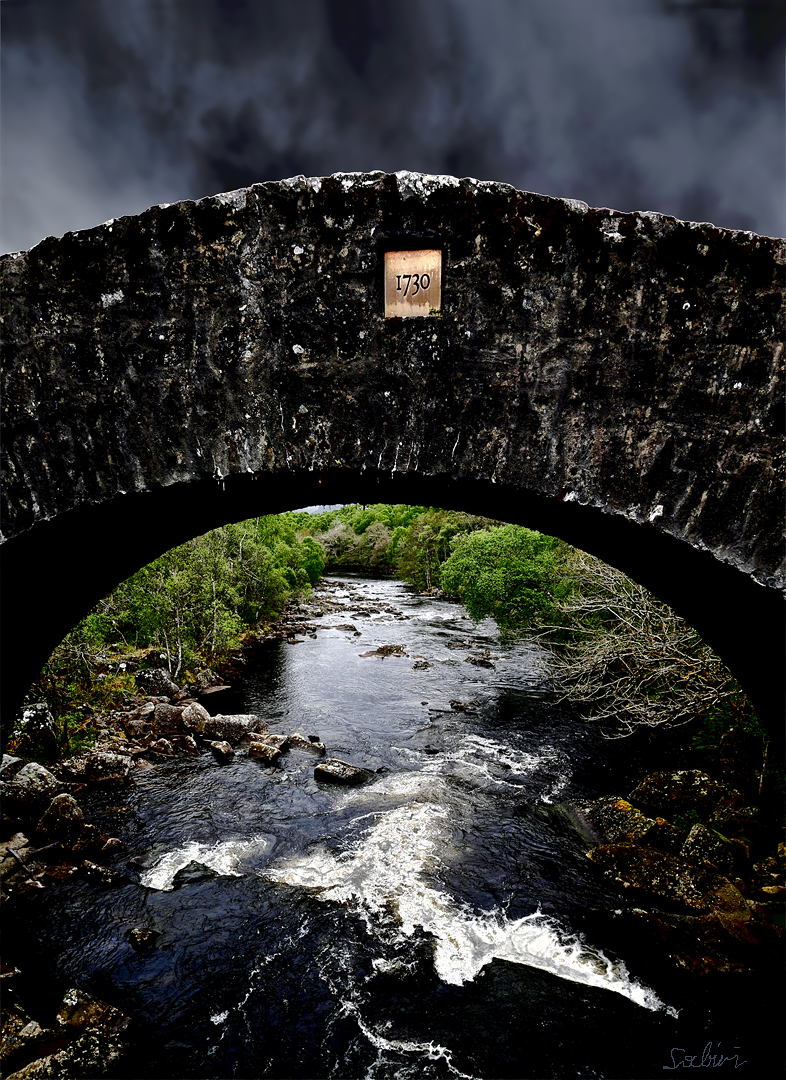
[[614, 379]]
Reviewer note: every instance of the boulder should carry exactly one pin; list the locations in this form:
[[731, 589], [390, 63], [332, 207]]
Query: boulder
[[136, 729], [206, 679], [222, 750], [62, 820], [90, 841], [34, 731], [161, 746], [671, 879], [80, 1011], [281, 742], [300, 742], [105, 767], [704, 845], [30, 791], [671, 793], [167, 721], [264, 751], [156, 681], [335, 771], [187, 743], [92, 1054], [18, 1033], [192, 873], [194, 717], [233, 728], [8, 864], [616, 821], [10, 766]]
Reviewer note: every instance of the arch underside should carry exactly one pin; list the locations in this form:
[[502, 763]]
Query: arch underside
[[612, 379], [55, 575]]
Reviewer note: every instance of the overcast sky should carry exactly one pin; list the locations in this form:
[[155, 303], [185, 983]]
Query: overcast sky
[[109, 106]]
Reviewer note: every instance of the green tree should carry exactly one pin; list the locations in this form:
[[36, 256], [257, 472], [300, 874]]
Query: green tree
[[508, 573]]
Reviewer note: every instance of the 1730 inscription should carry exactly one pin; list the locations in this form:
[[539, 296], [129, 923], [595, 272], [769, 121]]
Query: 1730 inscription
[[413, 283]]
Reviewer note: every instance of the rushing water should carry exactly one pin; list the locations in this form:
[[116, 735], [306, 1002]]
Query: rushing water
[[421, 925]]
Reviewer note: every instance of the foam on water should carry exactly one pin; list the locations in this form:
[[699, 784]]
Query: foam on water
[[386, 871], [475, 757], [224, 858]]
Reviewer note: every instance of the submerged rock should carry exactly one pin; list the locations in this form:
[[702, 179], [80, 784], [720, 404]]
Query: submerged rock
[[192, 873], [143, 939], [300, 742], [335, 771]]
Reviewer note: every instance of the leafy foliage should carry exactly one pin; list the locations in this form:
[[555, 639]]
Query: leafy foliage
[[509, 573], [194, 603]]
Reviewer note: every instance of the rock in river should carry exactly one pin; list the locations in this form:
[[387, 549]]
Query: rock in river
[[335, 771]]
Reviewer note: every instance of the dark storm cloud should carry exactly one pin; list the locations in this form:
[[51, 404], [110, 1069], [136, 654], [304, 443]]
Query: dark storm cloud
[[111, 105]]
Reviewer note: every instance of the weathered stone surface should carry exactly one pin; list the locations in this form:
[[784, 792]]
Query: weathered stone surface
[[30, 791], [300, 742], [156, 681], [704, 845], [194, 717], [615, 379], [136, 729], [104, 767], [187, 743], [233, 728], [615, 819], [222, 750], [264, 751], [63, 819], [90, 842], [161, 746], [192, 873], [10, 766], [671, 793], [281, 742], [335, 771], [167, 721], [671, 878], [102, 875], [35, 732], [80, 1010]]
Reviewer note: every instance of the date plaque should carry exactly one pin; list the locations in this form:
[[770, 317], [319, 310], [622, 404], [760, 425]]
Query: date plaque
[[413, 283]]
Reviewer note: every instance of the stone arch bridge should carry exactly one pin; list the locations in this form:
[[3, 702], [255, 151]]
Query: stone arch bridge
[[613, 379]]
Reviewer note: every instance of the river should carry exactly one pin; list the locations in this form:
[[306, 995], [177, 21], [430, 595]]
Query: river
[[424, 924]]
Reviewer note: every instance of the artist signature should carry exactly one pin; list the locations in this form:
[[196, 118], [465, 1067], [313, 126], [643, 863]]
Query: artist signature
[[681, 1059]]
